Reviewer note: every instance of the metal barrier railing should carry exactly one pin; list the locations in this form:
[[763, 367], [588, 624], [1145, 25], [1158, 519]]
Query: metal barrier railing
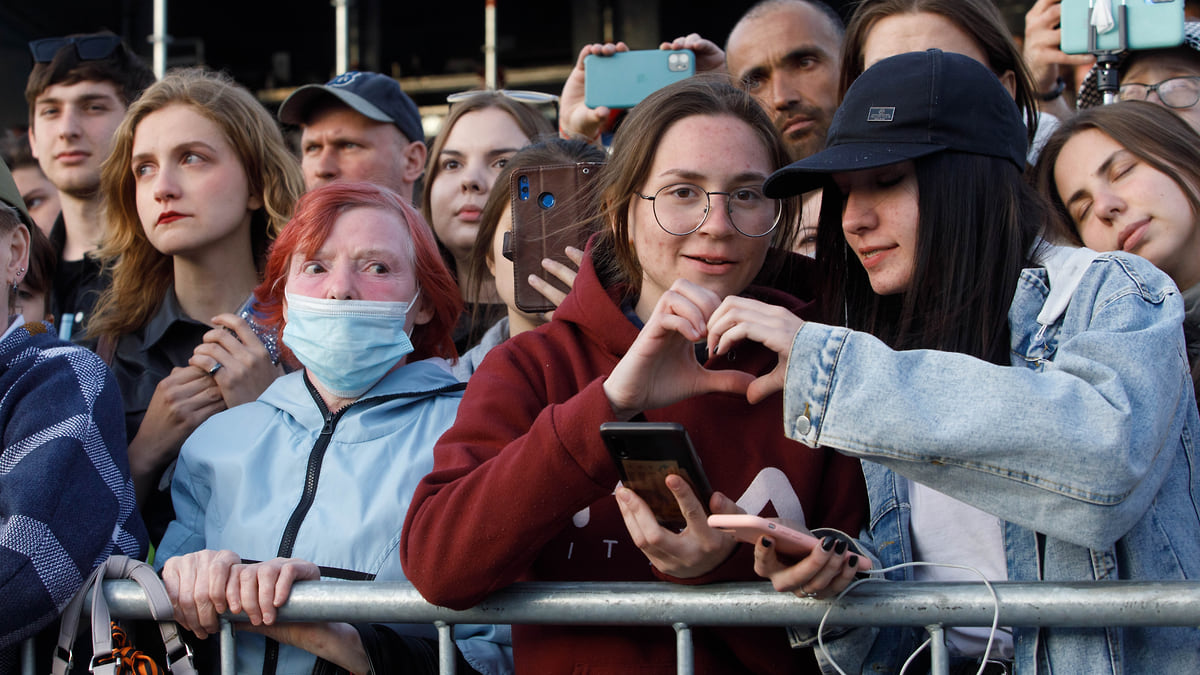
[[921, 604]]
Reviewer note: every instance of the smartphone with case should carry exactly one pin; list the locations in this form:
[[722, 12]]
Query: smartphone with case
[[1150, 24], [751, 529], [625, 78], [645, 454], [551, 210]]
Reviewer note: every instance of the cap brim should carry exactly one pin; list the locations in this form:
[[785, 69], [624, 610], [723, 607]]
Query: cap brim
[[295, 108], [811, 172]]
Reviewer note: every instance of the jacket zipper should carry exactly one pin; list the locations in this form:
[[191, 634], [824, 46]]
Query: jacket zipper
[[312, 475]]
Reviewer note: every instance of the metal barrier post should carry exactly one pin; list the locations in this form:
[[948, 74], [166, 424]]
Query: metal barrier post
[[939, 657], [684, 650], [28, 666], [228, 646], [447, 650]]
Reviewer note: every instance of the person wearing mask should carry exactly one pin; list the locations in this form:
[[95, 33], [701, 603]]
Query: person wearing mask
[[293, 486]]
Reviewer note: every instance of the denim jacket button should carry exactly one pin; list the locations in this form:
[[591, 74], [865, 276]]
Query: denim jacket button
[[803, 424]]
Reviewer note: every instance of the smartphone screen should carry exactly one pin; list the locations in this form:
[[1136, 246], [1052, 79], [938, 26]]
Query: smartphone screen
[[645, 454]]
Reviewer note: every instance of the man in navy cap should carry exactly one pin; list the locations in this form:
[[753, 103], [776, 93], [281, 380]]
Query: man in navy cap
[[359, 126]]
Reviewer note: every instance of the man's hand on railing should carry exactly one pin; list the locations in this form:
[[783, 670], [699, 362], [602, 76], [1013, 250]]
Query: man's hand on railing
[[695, 551]]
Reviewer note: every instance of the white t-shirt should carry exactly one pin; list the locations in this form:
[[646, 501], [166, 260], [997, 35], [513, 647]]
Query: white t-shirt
[[946, 530]]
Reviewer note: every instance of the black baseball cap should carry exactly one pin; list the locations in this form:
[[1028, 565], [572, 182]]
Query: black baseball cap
[[909, 106], [10, 195], [375, 96]]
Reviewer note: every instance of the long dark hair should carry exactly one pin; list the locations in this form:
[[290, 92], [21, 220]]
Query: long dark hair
[[978, 224]]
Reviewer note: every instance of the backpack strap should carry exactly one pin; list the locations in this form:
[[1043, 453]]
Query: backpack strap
[[106, 349]]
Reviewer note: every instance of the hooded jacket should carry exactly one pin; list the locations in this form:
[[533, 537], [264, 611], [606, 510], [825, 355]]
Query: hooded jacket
[[282, 476], [522, 490]]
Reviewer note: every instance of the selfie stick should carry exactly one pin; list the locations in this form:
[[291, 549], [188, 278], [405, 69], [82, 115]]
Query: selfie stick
[[1107, 77]]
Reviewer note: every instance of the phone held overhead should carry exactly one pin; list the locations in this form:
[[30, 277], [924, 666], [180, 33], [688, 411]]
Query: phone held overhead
[[625, 78]]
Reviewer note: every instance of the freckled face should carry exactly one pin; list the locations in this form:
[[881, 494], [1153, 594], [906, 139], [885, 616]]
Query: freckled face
[[719, 153]]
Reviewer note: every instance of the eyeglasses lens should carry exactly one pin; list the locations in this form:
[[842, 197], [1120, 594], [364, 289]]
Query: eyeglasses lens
[[682, 209]]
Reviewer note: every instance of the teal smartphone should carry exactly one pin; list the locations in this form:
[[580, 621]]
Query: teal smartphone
[[1150, 24], [625, 78]]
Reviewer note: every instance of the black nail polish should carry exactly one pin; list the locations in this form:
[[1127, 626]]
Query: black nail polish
[[827, 543], [853, 561], [766, 542], [840, 548]]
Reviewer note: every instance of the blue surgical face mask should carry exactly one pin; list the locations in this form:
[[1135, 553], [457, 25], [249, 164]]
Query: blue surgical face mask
[[347, 345]]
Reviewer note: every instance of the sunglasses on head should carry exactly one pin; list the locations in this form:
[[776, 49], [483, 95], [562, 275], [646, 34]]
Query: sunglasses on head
[[87, 48], [529, 97]]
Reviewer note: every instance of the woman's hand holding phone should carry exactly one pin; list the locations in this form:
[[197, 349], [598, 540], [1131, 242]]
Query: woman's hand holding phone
[[695, 551], [562, 273], [575, 118]]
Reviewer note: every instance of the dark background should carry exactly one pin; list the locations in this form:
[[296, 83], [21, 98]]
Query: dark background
[[273, 45]]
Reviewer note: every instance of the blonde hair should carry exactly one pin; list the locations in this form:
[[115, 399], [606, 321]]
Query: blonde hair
[[140, 273]]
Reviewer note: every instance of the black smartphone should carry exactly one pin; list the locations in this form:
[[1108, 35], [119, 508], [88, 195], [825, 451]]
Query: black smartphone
[[551, 209], [645, 454]]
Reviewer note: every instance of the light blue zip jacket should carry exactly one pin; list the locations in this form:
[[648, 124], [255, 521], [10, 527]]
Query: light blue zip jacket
[[242, 473], [1084, 447]]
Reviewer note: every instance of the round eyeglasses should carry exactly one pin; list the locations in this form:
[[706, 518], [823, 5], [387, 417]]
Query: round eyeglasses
[[682, 208], [1174, 92]]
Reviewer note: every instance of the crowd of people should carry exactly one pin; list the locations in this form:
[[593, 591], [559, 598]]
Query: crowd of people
[[908, 283]]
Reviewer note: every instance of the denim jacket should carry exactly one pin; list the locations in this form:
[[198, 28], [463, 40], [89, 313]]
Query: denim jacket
[[1084, 446]]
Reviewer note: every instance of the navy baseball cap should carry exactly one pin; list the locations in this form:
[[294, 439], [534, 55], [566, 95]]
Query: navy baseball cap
[[375, 96], [909, 106], [10, 195]]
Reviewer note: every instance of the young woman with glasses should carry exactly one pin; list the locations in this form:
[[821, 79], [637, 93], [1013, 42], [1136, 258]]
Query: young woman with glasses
[[523, 487], [1168, 77]]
